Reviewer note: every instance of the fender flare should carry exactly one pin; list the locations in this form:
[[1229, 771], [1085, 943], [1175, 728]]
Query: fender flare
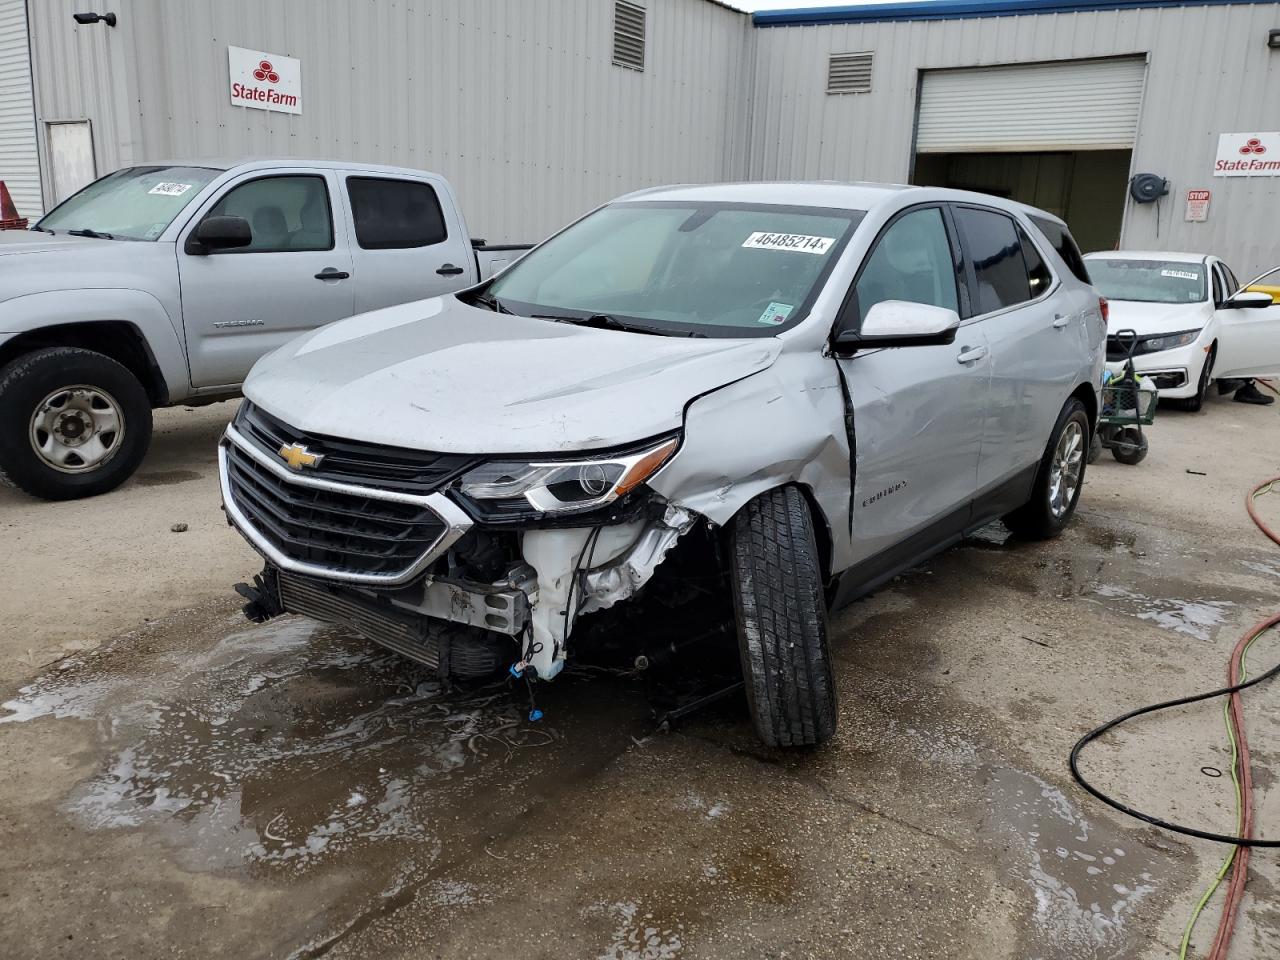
[[156, 329]]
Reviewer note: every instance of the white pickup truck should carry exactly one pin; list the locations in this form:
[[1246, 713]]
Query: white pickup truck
[[162, 284]]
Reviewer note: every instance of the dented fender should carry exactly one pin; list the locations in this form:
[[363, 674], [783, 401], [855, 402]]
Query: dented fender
[[783, 425]]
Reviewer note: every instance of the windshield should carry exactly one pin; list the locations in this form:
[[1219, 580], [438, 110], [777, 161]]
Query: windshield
[[711, 269], [135, 203], [1149, 281]]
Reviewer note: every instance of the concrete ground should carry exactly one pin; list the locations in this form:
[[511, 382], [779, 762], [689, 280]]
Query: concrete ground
[[175, 782]]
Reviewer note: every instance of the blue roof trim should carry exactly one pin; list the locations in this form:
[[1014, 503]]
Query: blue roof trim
[[962, 10]]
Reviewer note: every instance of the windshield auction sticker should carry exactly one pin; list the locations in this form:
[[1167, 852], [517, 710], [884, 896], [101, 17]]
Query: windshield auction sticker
[[776, 313], [796, 242], [170, 189], [1180, 274]]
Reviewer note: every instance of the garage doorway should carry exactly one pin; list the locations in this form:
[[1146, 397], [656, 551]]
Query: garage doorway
[[1056, 135]]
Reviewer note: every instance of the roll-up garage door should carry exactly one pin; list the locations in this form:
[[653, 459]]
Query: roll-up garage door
[[19, 161], [1067, 105]]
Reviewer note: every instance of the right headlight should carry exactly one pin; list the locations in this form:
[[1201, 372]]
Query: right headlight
[[1167, 342], [516, 488]]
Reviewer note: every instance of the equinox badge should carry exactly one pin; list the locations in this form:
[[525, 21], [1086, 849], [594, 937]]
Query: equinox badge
[[297, 456]]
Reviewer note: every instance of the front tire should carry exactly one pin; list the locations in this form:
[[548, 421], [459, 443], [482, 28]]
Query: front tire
[[1059, 479], [782, 620], [1193, 404], [73, 423]]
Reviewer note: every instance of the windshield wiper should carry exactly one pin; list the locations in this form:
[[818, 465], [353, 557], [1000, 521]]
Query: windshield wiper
[[493, 303], [598, 321], [93, 234], [41, 229]]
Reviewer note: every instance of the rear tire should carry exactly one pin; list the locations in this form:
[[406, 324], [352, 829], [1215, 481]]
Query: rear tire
[[781, 615], [73, 423], [1051, 506]]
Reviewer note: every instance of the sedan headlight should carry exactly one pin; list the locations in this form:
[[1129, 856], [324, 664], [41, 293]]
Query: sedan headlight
[[1167, 341], [515, 488]]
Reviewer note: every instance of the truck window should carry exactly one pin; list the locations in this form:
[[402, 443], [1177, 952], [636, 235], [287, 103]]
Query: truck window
[[1037, 269], [912, 262], [1060, 239], [395, 214], [991, 240], [285, 213]]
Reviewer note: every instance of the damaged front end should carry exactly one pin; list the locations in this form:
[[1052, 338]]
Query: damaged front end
[[461, 563]]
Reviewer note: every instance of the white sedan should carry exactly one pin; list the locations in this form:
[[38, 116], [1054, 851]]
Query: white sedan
[[1194, 321]]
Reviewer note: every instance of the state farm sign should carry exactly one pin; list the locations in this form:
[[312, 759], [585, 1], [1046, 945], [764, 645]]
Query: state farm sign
[[1248, 155], [264, 81]]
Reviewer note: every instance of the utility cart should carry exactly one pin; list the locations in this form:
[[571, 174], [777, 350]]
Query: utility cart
[[1128, 404]]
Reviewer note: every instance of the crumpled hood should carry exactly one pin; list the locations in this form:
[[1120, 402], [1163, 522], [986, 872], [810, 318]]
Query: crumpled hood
[[444, 376], [1154, 318]]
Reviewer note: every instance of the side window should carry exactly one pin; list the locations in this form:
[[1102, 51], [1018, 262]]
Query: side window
[[1064, 244], [911, 261], [395, 214], [1037, 270], [1218, 294], [285, 213], [1232, 283], [992, 242]]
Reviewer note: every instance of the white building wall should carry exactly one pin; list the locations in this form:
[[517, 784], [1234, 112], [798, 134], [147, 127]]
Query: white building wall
[[515, 101], [19, 158], [1209, 72]]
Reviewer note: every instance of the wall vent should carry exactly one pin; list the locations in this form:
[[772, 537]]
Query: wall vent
[[849, 73], [628, 35]]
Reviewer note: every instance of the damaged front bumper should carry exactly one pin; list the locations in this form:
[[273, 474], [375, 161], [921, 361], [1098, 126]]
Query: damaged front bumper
[[409, 569]]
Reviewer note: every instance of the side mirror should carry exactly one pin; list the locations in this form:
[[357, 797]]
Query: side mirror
[[1249, 300], [897, 323], [220, 233]]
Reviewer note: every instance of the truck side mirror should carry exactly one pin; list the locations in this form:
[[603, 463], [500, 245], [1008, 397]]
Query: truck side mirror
[[220, 233]]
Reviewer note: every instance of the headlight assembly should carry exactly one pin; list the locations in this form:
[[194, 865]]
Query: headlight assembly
[[1167, 341], [513, 489]]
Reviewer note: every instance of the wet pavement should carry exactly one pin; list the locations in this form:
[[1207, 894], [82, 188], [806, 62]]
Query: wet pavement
[[287, 790]]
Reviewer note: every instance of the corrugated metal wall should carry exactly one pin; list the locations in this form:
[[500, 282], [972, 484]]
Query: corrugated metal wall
[[516, 101], [19, 159], [1210, 72]]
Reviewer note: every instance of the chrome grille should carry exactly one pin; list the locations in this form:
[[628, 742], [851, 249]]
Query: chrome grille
[[327, 529]]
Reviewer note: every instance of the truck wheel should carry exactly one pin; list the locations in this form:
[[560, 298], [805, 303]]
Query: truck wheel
[[782, 620], [1058, 481], [73, 423]]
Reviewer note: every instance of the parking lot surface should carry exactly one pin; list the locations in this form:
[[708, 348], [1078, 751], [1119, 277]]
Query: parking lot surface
[[177, 782]]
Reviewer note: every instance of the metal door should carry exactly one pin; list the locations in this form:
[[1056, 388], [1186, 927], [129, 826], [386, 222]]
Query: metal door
[[238, 305]]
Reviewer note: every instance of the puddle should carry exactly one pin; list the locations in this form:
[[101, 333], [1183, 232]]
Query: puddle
[[280, 746], [1085, 882], [1195, 618], [638, 936]]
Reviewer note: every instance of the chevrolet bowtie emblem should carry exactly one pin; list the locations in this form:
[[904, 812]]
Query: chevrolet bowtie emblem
[[297, 456]]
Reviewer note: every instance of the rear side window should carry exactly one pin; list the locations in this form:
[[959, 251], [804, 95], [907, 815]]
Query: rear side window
[[395, 214], [996, 253], [1037, 270], [1060, 239]]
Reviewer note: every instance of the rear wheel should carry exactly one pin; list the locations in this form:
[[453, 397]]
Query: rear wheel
[[1059, 479], [73, 423], [782, 620]]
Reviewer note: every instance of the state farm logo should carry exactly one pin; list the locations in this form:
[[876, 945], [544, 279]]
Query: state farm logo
[[1248, 155], [1253, 145], [266, 72]]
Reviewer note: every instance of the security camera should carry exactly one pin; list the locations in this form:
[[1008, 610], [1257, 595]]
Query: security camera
[[87, 18]]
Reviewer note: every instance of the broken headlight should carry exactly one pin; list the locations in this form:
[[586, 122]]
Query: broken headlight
[[517, 488]]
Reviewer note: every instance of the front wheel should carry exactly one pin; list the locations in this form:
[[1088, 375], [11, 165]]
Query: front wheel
[[782, 620], [73, 423], [1059, 478], [1194, 403]]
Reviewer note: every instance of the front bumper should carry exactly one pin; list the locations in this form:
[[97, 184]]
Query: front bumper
[[1176, 372]]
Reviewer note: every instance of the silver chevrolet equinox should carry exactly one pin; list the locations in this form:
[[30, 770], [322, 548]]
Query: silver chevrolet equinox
[[752, 402]]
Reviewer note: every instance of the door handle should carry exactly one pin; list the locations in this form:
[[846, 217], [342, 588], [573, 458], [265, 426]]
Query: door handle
[[449, 270], [1060, 320], [970, 354], [332, 273]]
